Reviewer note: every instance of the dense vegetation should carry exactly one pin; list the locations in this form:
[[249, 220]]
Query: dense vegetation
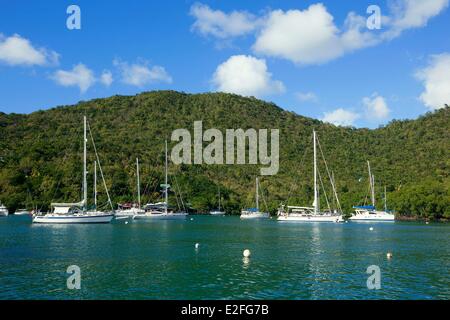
[[40, 155]]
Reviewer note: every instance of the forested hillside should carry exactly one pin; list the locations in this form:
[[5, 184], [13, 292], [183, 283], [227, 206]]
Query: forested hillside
[[41, 155]]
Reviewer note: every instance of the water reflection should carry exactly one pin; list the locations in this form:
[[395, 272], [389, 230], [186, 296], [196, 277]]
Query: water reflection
[[245, 263]]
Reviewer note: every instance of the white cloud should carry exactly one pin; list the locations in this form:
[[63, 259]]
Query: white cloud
[[307, 36], [414, 13], [306, 97], [16, 50], [106, 78], [340, 117], [310, 36], [221, 25], [246, 75], [436, 80], [376, 107], [80, 76], [140, 74]]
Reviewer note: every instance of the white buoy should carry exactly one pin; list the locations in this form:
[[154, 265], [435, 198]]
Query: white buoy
[[371, 229], [389, 255], [126, 222], [247, 253], [427, 222], [192, 219], [197, 245]]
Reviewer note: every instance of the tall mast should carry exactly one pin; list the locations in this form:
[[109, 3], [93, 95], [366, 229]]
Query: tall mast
[[84, 167], [138, 183], [316, 201], [219, 196], [385, 200], [373, 190], [95, 184], [166, 186], [257, 195], [371, 182]]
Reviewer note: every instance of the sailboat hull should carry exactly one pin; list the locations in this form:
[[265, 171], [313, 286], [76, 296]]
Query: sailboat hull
[[256, 215], [161, 216], [73, 219], [373, 217], [309, 218], [217, 213], [126, 214], [22, 213]]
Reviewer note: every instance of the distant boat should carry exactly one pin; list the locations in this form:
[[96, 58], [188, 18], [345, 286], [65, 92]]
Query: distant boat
[[3, 211], [129, 211], [369, 212], [71, 213], [22, 212], [162, 212], [254, 213], [312, 214], [217, 212]]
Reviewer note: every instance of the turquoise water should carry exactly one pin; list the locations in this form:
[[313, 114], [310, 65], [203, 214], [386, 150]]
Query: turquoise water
[[158, 260]]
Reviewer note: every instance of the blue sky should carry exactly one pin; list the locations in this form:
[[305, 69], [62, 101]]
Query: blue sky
[[311, 58]]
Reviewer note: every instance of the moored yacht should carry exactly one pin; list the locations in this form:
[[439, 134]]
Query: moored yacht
[[312, 214], [369, 213], [22, 212], [217, 212], [75, 213], [162, 211], [3, 211], [307, 214], [70, 213], [255, 213], [130, 210], [126, 211]]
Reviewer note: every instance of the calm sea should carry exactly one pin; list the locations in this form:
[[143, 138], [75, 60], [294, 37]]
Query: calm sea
[[158, 260]]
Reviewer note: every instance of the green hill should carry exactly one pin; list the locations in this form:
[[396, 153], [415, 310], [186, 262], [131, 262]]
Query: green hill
[[40, 154]]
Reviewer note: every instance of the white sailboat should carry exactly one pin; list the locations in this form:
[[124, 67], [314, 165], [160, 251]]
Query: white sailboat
[[123, 213], [3, 211], [217, 212], [72, 213], [22, 212], [162, 211], [311, 214], [254, 213], [369, 213]]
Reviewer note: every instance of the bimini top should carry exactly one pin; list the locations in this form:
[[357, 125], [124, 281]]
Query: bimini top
[[65, 207], [252, 210], [364, 207]]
